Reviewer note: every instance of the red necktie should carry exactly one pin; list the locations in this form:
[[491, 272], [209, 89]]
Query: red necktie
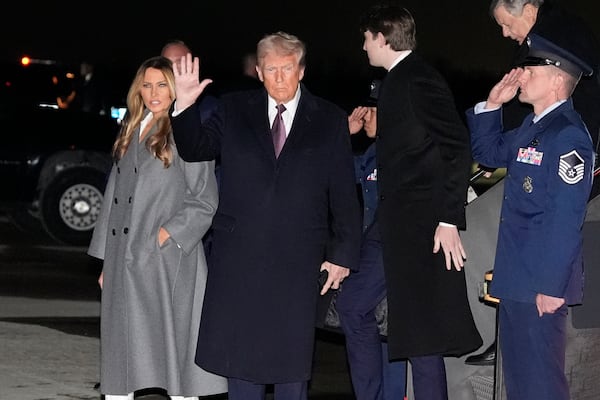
[[278, 130]]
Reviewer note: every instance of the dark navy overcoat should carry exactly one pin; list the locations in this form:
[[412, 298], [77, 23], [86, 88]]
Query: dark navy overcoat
[[278, 219]]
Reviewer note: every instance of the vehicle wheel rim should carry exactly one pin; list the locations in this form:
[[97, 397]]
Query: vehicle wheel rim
[[79, 206]]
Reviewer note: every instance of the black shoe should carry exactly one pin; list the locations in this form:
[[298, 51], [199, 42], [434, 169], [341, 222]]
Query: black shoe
[[488, 357]]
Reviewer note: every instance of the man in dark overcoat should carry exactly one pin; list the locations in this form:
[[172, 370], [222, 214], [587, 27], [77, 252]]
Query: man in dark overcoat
[[281, 219], [423, 164]]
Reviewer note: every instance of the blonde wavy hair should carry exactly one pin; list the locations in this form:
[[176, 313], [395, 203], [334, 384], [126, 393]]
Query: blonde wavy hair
[[159, 144]]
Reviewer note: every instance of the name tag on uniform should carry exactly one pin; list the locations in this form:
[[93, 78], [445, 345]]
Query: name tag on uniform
[[530, 155]]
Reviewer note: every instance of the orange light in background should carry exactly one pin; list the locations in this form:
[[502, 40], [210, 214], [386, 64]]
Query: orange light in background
[[26, 60]]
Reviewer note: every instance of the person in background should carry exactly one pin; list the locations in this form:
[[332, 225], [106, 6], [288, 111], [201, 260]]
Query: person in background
[[88, 93], [518, 18], [249, 64], [538, 269], [288, 209], [90, 96], [246, 78], [157, 208], [373, 376], [423, 167]]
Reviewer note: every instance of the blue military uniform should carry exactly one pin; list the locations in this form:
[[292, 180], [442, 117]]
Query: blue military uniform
[[549, 161], [549, 175], [365, 167]]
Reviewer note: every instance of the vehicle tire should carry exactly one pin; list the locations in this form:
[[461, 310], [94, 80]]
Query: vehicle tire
[[70, 205]]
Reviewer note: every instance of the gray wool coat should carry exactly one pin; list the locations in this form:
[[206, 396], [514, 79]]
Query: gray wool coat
[[152, 295]]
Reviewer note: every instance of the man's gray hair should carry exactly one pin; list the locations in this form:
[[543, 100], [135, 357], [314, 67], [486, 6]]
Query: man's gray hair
[[514, 7], [283, 44]]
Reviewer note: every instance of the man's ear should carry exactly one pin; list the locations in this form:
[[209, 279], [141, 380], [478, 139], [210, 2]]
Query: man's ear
[[530, 13], [559, 82], [381, 39]]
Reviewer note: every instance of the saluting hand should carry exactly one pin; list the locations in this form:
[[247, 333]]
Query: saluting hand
[[504, 90], [187, 81], [356, 120]]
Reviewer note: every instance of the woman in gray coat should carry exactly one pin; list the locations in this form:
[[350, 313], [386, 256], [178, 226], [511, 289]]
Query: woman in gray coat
[[155, 212]]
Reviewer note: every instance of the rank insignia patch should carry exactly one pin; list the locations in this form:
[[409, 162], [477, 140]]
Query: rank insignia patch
[[571, 167]]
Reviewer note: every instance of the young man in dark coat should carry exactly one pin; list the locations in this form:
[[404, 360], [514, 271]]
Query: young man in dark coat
[[423, 166], [282, 217]]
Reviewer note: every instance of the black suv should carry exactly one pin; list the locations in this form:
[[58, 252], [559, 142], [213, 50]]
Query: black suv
[[53, 161]]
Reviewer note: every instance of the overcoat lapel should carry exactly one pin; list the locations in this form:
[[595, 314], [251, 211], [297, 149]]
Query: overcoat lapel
[[301, 123], [258, 119]]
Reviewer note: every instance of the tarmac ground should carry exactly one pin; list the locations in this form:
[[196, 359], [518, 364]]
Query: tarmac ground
[[50, 325], [50, 351]]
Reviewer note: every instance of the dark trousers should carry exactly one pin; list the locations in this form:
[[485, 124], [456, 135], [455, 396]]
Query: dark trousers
[[239, 389], [394, 376], [373, 376], [533, 351], [429, 378]]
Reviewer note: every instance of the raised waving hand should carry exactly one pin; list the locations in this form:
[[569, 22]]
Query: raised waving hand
[[187, 81]]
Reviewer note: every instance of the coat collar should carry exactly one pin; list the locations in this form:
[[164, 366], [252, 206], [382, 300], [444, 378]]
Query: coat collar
[[548, 118]]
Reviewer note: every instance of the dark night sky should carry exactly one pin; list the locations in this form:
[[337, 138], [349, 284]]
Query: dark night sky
[[454, 35], [221, 33]]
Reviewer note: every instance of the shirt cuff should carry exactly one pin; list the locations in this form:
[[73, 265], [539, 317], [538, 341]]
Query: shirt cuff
[[176, 112], [447, 225], [480, 108]]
